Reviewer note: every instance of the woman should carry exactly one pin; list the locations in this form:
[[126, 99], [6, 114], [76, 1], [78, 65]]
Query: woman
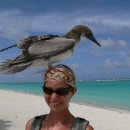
[[58, 89]]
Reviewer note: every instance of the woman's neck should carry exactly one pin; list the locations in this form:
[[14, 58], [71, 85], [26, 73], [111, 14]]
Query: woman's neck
[[63, 117]]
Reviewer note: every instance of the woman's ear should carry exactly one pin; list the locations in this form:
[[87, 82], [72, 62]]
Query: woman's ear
[[73, 91]]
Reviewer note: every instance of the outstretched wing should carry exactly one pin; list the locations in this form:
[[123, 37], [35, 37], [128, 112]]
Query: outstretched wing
[[46, 49], [25, 43], [15, 45], [6, 68]]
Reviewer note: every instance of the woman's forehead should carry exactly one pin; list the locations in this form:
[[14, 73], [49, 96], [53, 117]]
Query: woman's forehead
[[53, 82]]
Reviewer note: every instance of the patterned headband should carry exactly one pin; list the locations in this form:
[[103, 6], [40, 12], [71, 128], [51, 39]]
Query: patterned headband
[[61, 73]]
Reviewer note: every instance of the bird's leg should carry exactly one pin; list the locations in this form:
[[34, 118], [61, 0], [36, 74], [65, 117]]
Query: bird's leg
[[51, 66]]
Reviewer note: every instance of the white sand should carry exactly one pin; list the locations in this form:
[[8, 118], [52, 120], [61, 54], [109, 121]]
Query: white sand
[[17, 108]]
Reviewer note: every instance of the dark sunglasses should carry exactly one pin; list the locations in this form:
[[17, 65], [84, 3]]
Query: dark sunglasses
[[61, 91]]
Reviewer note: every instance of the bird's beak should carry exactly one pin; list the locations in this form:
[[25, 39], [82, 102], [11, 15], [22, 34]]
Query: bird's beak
[[92, 38]]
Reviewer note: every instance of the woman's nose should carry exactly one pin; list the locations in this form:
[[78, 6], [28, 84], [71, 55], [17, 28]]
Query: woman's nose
[[54, 95]]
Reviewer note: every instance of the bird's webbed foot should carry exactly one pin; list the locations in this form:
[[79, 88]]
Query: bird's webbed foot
[[50, 65]]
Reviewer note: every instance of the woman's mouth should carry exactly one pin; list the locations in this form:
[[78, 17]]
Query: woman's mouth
[[55, 104]]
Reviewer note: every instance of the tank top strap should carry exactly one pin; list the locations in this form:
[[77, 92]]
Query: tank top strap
[[37, 121], [80, 124]]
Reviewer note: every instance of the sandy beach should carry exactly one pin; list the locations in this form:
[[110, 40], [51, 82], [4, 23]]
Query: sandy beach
[[17, 108]]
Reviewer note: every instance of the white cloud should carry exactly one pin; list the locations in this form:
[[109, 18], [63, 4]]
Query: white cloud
[[95, 66], [114, 64], [16, 24], [128, 53], [75, 66], [108, 64], [96, 54], [106, 15], [113, 44], [66, 21], [13, 25]]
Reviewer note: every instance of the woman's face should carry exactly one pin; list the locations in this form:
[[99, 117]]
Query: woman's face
[[55, 101]]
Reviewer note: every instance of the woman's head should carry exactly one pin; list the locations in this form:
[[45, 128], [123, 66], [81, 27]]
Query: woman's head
[[59, 87], [61, 73]]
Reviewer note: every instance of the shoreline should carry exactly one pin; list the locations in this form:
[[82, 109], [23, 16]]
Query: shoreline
[[75, 102], [17, 108], [102, 107]]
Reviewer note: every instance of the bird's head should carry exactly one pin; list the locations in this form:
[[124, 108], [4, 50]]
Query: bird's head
[[86, 32]]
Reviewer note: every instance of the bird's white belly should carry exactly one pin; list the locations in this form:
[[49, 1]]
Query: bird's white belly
[[40, 62], [44, 61], [61, 56]]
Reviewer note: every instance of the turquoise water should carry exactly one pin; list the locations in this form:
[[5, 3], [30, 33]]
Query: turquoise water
[[102, 93]]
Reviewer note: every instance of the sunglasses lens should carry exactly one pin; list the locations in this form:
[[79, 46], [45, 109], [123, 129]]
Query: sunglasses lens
[[47, 90], [62, 91]]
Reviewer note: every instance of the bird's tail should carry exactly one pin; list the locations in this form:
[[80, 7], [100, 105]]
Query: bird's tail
[[7, 68], [15, 45]]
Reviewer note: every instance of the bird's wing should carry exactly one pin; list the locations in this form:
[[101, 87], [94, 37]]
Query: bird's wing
[[45, 48], [25, 43], [51, 47], [15, 45], [5, 67]]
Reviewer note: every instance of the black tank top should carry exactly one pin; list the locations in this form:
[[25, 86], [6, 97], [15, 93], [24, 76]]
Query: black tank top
[[79, 123]]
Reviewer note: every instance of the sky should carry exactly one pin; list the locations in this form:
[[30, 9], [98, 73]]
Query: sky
[[108, 19]]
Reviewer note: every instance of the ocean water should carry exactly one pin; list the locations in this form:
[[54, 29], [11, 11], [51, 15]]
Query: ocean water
[[110, 94]]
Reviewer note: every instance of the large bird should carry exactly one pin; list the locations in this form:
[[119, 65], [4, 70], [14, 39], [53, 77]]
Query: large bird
[[45, 50]]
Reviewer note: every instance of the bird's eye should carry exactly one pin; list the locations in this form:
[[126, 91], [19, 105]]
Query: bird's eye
[[88, 33]]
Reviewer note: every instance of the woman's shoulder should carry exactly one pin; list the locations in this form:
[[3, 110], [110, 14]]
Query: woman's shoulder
[[28, 124], [82, 123], [34, 122], [89, 127]]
